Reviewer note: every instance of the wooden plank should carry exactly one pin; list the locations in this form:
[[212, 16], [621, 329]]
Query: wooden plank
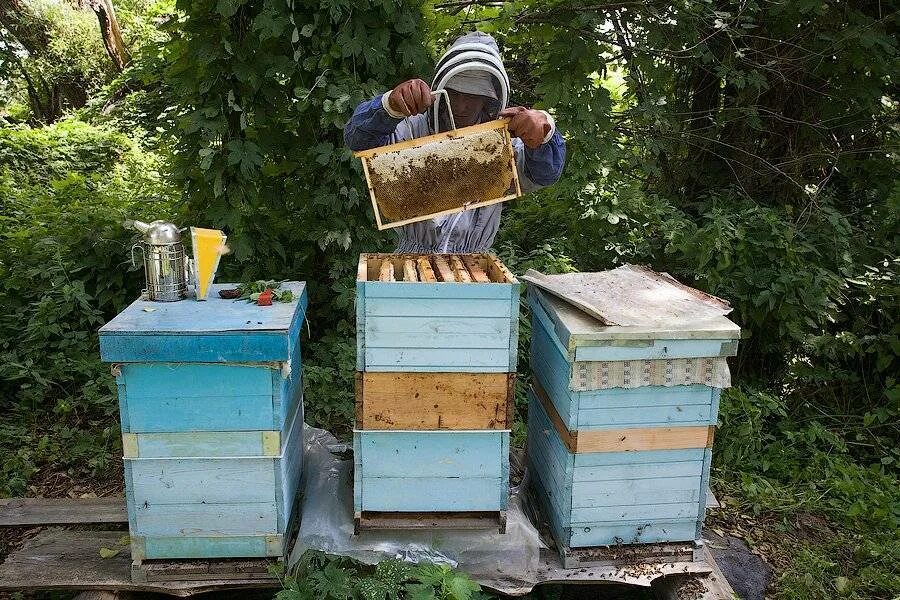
[[443, 268], [203, 481], [478, 274], [569, 438], [19, 512], [428, 494], [437, 332], [657, 349], [631, 532], [372, 520], [645, 512], [209, 547], [498, 271], [70, 559], [469, 360], [206, 520], [438, 291], [409, 270], [459, 269], [649, 438], [426, 273], [435, 308], [365, 166], [386, 272], [461, 401], [431, 454]]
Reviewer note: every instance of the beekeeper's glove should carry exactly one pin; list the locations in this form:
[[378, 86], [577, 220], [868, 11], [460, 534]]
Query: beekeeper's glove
[[533, 127]]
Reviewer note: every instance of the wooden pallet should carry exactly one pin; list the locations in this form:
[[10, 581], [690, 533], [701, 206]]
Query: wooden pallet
[[373, 520]]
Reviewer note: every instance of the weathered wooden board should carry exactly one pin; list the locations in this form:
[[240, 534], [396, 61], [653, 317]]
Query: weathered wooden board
[[430, 401], [430, 471], [213, 331], [67, 559], [17, 512], [632, 296]]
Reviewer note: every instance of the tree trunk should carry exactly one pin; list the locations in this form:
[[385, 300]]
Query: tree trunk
[[111, 33]]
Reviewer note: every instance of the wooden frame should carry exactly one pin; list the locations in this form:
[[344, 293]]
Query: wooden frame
[[444, 268], [368, 155], [627, 439]]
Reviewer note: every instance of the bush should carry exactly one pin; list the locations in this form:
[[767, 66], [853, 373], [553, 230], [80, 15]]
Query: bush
[[64, 270]]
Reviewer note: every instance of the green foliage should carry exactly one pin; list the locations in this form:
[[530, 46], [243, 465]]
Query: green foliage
[[65, 189], [322, 577]]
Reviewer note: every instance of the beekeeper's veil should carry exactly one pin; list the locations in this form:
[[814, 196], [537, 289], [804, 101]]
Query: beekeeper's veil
[[471, 65]]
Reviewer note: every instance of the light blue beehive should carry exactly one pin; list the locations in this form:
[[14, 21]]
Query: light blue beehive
[[210, 398], [629, 496], [434, 327]]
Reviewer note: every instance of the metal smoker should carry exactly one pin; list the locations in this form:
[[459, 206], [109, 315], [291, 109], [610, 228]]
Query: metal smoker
[[165, 262]]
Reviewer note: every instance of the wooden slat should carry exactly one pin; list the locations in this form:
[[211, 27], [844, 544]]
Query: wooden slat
[[498, 271], [409, 270], [437, 137], [368, 520], [386, 273], [443, 268], [459, 269], [647, 438], [569, 438], [426, 273], [16, 512], [475, 269], [428, 401]]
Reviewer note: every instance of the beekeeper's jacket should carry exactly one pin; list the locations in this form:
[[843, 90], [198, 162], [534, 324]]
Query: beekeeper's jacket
[[469, 231]]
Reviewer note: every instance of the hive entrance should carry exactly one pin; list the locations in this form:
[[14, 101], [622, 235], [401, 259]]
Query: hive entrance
[[441, 174], [433, 268]]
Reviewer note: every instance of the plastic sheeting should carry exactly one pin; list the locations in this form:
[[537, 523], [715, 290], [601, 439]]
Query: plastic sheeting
[[497, 561]]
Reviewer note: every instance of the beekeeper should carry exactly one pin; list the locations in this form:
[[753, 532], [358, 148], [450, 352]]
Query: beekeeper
[[478, 88]]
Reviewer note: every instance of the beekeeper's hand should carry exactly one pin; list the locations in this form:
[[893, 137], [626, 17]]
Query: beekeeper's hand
[[410, 97], [529, 125]]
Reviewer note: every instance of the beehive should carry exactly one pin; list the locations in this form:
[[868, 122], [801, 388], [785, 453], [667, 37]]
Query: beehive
[[436, 357], [210, 399], [441, 174], [621, 423]]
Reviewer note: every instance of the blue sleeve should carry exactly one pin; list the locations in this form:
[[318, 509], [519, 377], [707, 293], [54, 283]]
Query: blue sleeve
[[544, 164], [370, 126]]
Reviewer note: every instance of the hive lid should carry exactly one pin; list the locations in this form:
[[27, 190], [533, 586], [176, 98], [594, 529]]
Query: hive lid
[[217, 330], [630, 302]]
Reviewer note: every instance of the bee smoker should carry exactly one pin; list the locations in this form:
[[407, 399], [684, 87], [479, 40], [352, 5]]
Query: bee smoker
[[165, 262]]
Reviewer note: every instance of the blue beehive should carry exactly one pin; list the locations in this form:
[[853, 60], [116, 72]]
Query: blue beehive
[[436, 359], [621, 423], [211, 405]]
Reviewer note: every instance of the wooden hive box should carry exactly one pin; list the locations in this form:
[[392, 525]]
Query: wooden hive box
[[621, 424], [437, 338], [210, 398]]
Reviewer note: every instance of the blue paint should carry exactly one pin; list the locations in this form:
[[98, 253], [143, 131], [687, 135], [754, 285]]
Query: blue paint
[[202, 481], [654, 350], [431, 470], [199, 520], [213, 414], [635, 532], [471, 360], [424, 291], [213, 331], [421, 332], [432, 307], [430, 494], [416, 454], [200, 443], [206, 547]]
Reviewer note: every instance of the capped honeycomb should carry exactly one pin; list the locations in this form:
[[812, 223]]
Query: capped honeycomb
[[442, 175]]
